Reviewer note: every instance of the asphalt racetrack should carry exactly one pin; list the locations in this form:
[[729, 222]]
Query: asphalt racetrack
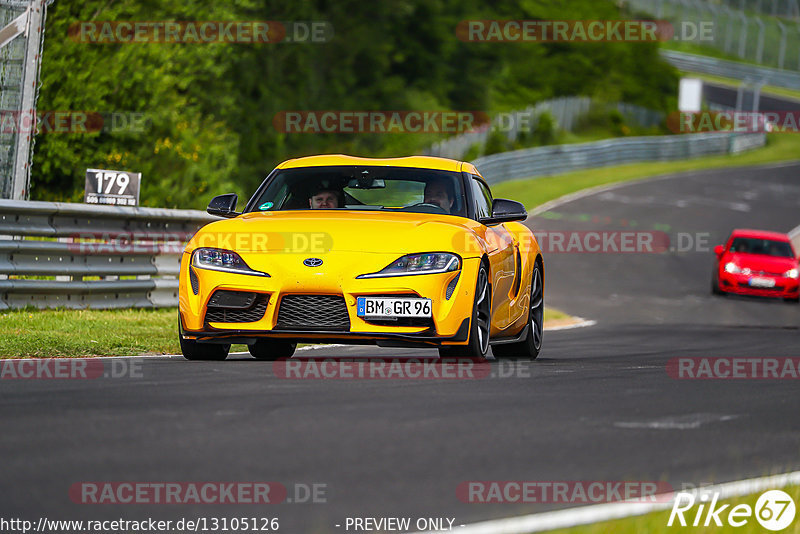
[[598, 405]]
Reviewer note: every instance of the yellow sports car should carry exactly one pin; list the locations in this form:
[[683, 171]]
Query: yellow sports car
[[407, 251]]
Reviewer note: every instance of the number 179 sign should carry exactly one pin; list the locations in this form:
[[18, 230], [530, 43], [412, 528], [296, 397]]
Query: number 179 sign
[[113, 188]]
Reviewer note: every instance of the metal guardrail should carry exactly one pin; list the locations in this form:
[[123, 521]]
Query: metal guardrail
[[732, 69], [566, 112], [79, 256], [557, 159]]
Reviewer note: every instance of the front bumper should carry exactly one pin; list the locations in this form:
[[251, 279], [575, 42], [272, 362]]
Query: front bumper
[[450, 316], [740, 284]]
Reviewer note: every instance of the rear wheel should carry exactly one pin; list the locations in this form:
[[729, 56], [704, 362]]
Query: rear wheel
[[271, 349], [532, 344], [480, 324], [192, 350]]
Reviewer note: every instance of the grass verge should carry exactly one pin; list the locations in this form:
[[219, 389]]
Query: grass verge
[[535, 191], [656, 522], [82, 333]]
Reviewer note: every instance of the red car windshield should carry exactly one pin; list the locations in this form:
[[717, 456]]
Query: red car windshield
[[765, 247]]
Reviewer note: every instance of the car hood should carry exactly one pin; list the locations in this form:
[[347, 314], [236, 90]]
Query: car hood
[[758, 262], [324, 231]]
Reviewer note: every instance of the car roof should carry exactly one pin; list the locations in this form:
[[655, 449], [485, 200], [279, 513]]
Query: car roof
[[760, 234], [419, 162]]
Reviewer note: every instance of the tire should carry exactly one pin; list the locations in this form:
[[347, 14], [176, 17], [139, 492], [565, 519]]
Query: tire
[[480, 323], [715, 290], [715, 286], [192, 350], [271, 349], [795, 300], [529, 347]]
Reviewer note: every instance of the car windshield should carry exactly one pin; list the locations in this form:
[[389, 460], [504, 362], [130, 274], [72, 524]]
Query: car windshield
[[766, 247], [369, 188]]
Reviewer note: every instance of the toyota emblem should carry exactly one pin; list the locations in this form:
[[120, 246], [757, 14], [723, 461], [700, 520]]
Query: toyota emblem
[[312, 262]]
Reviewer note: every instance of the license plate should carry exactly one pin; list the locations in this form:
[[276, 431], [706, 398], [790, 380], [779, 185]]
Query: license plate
[[393, 307], [762, 282]]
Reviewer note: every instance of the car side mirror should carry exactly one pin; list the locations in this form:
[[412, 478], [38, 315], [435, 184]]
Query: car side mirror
[[224, 205], [504, 210], [718, 250]]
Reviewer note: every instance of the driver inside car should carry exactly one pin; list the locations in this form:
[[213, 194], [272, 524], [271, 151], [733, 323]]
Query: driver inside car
[[440, 193], [326, 198]]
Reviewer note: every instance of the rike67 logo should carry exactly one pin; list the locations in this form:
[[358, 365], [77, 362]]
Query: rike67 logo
[[774, 510]]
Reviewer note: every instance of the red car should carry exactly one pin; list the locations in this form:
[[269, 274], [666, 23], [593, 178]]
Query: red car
[[759, 263]]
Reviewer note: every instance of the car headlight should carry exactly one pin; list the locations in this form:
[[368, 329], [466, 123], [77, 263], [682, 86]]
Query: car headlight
[[411, 264], [217, 259], [791, 273], [732, 268]]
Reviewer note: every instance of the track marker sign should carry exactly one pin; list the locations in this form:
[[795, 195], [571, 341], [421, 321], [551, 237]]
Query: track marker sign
[[114, 188]]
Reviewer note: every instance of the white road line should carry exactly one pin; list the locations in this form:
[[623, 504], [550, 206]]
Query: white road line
[[597, 513]]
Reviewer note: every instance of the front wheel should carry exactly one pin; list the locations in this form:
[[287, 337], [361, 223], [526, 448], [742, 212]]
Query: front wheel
[[715, 290], [530, 346], [480, 323], [192, 350], [271, 349]]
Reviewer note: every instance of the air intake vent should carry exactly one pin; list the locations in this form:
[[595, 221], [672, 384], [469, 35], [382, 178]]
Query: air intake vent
[[194, 281], [250, 314], [451, 287], [313, 312]]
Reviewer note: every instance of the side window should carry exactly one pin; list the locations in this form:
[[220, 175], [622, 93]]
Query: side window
[[482, 199]]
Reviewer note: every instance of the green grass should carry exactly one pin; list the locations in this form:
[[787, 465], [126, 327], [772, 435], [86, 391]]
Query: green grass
[[535, 191], [80, 333], [552, 314], [656, 522], [76, 333]]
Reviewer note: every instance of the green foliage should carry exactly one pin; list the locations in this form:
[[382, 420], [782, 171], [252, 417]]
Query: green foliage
[[210, 107], [497, 142], [545, 131]]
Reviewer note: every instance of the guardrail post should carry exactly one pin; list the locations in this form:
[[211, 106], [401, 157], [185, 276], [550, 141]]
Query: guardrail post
[[729, 32], [757, 96], [760, 46], [743, 36], [782, 46]]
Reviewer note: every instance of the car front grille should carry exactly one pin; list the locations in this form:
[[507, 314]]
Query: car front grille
[[748, 286], [251, 314], [313, 312]]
